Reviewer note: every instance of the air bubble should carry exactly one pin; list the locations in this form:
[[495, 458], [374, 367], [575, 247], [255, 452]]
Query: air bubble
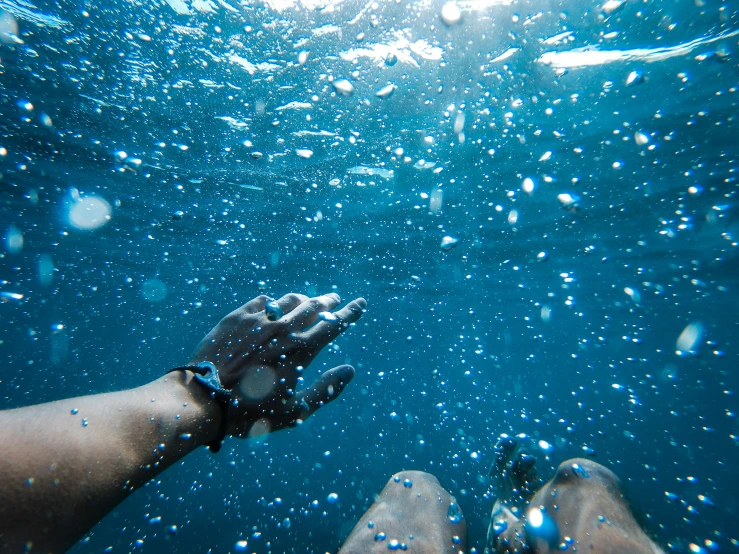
[[343, 87], [447, 243], [450, 13]]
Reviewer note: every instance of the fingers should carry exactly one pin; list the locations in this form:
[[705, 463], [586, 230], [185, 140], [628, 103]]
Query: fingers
[[291, 301], [256, 305], [287, 303], [307, 312], [325, 389], [324, 332]]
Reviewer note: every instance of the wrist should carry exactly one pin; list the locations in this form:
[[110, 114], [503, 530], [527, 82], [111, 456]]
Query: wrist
[[189, 417]]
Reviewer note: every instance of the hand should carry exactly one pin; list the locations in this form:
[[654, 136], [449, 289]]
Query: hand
[[261, 360]]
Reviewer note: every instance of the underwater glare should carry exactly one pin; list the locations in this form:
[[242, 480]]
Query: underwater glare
[[537, 199]]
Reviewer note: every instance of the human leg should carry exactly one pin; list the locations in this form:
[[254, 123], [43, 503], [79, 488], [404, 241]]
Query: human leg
[[582, 506], [414, 513]]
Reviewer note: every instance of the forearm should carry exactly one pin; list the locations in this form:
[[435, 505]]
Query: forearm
[[68, 462]]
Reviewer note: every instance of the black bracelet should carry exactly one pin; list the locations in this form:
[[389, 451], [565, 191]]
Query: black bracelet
[[207, 375]]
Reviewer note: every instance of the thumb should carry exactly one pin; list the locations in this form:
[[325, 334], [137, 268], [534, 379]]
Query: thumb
[[326, 388]]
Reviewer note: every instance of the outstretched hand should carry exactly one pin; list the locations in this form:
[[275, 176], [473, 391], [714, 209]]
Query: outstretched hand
[[260, 355]]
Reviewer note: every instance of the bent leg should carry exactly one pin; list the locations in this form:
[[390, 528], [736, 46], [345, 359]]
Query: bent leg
[[414, 513], [582, 507]]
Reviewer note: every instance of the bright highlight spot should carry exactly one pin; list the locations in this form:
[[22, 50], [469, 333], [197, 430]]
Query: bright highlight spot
[[535, 517], [450, 13]]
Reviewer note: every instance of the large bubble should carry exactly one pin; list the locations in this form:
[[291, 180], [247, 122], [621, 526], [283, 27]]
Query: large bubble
[[258, 383], [9, 28], [154, 290], [88, 212]]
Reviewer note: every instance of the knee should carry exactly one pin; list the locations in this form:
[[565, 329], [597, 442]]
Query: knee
[[584, 472], [411, 478]]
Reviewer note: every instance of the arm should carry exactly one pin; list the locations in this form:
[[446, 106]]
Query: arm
[[68, 463]]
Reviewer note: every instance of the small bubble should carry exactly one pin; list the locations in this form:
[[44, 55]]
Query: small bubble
[[454, 514], [407, 483], [545, 446], [569, 201], [7, 296], [641, 138], [635, 78], [327, 316], [447, 243], [386, 91], [343, 87], [588, 451]]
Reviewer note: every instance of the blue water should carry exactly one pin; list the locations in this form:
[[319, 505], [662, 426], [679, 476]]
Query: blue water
[[212, 205]]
